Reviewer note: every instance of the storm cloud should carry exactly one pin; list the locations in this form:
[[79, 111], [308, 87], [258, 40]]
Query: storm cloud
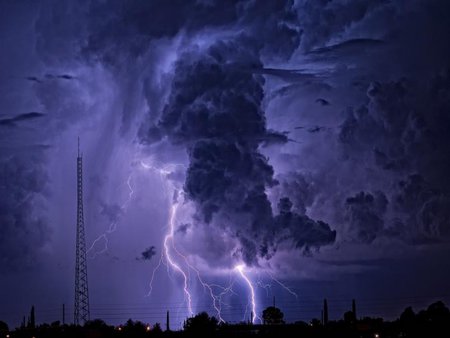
[[213, 98], [24, 229], [402, 130], [215, 110], [22, 117], [297, 134], [147, 254]]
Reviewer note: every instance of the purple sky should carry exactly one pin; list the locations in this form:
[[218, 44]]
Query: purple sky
[[307, 140]]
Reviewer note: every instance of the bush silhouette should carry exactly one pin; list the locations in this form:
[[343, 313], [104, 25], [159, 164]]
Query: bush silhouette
[[202, 322]]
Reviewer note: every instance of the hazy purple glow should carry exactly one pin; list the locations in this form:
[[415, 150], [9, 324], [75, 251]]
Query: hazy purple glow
[[264, 117]]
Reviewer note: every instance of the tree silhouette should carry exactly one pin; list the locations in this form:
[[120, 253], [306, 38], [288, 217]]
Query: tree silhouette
[[157, 328], [3, 327], [438, 312], [273, 315], [349, 317], [134, 328], [202, 322], [408, 316], [97, 324]]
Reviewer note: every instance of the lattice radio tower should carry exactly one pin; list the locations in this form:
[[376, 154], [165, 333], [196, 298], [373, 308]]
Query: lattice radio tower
[[81, 310]]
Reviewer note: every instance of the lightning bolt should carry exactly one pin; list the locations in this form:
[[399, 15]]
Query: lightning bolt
[[216, 299], [240, 268], [167, 259], [112, 227], [266, 287], [169, 243], [225, 291], [284, 286], [169, 238]]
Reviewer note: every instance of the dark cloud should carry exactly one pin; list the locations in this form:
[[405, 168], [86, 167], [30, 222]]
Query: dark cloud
[[128, 32], [28, 116], [291, 75], [322, 102], [33, 79], [322, 20], [214, 109], [302, 230], [214, 106], [66, 77], [183, 228], [299, 187], [313, 129], [274, 24], [403, 130], [49, 76], [23, 228], [147, 254], [346, 48], [365, 215], [316, 129], [59, 76], [424, 211], [22, 117]]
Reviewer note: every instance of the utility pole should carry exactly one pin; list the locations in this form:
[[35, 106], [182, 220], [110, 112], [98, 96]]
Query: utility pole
[[325, 312], [32, 318], [167, 321]]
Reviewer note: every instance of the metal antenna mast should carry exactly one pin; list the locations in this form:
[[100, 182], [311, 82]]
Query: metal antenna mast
[[81, 312]]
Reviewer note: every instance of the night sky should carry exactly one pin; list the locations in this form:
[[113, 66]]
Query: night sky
[[307, 142]]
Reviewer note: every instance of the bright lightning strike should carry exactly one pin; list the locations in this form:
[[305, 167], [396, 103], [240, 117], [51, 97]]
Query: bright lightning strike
[[170, 247], [216, 300], [240, 269], [169, 243], [175, 266]]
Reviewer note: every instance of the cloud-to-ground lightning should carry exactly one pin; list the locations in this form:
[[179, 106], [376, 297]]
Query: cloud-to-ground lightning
[[170, 247], [169, 238], [240, 268], [176, 261], [112, 226], [216, 299], [168, 242]]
